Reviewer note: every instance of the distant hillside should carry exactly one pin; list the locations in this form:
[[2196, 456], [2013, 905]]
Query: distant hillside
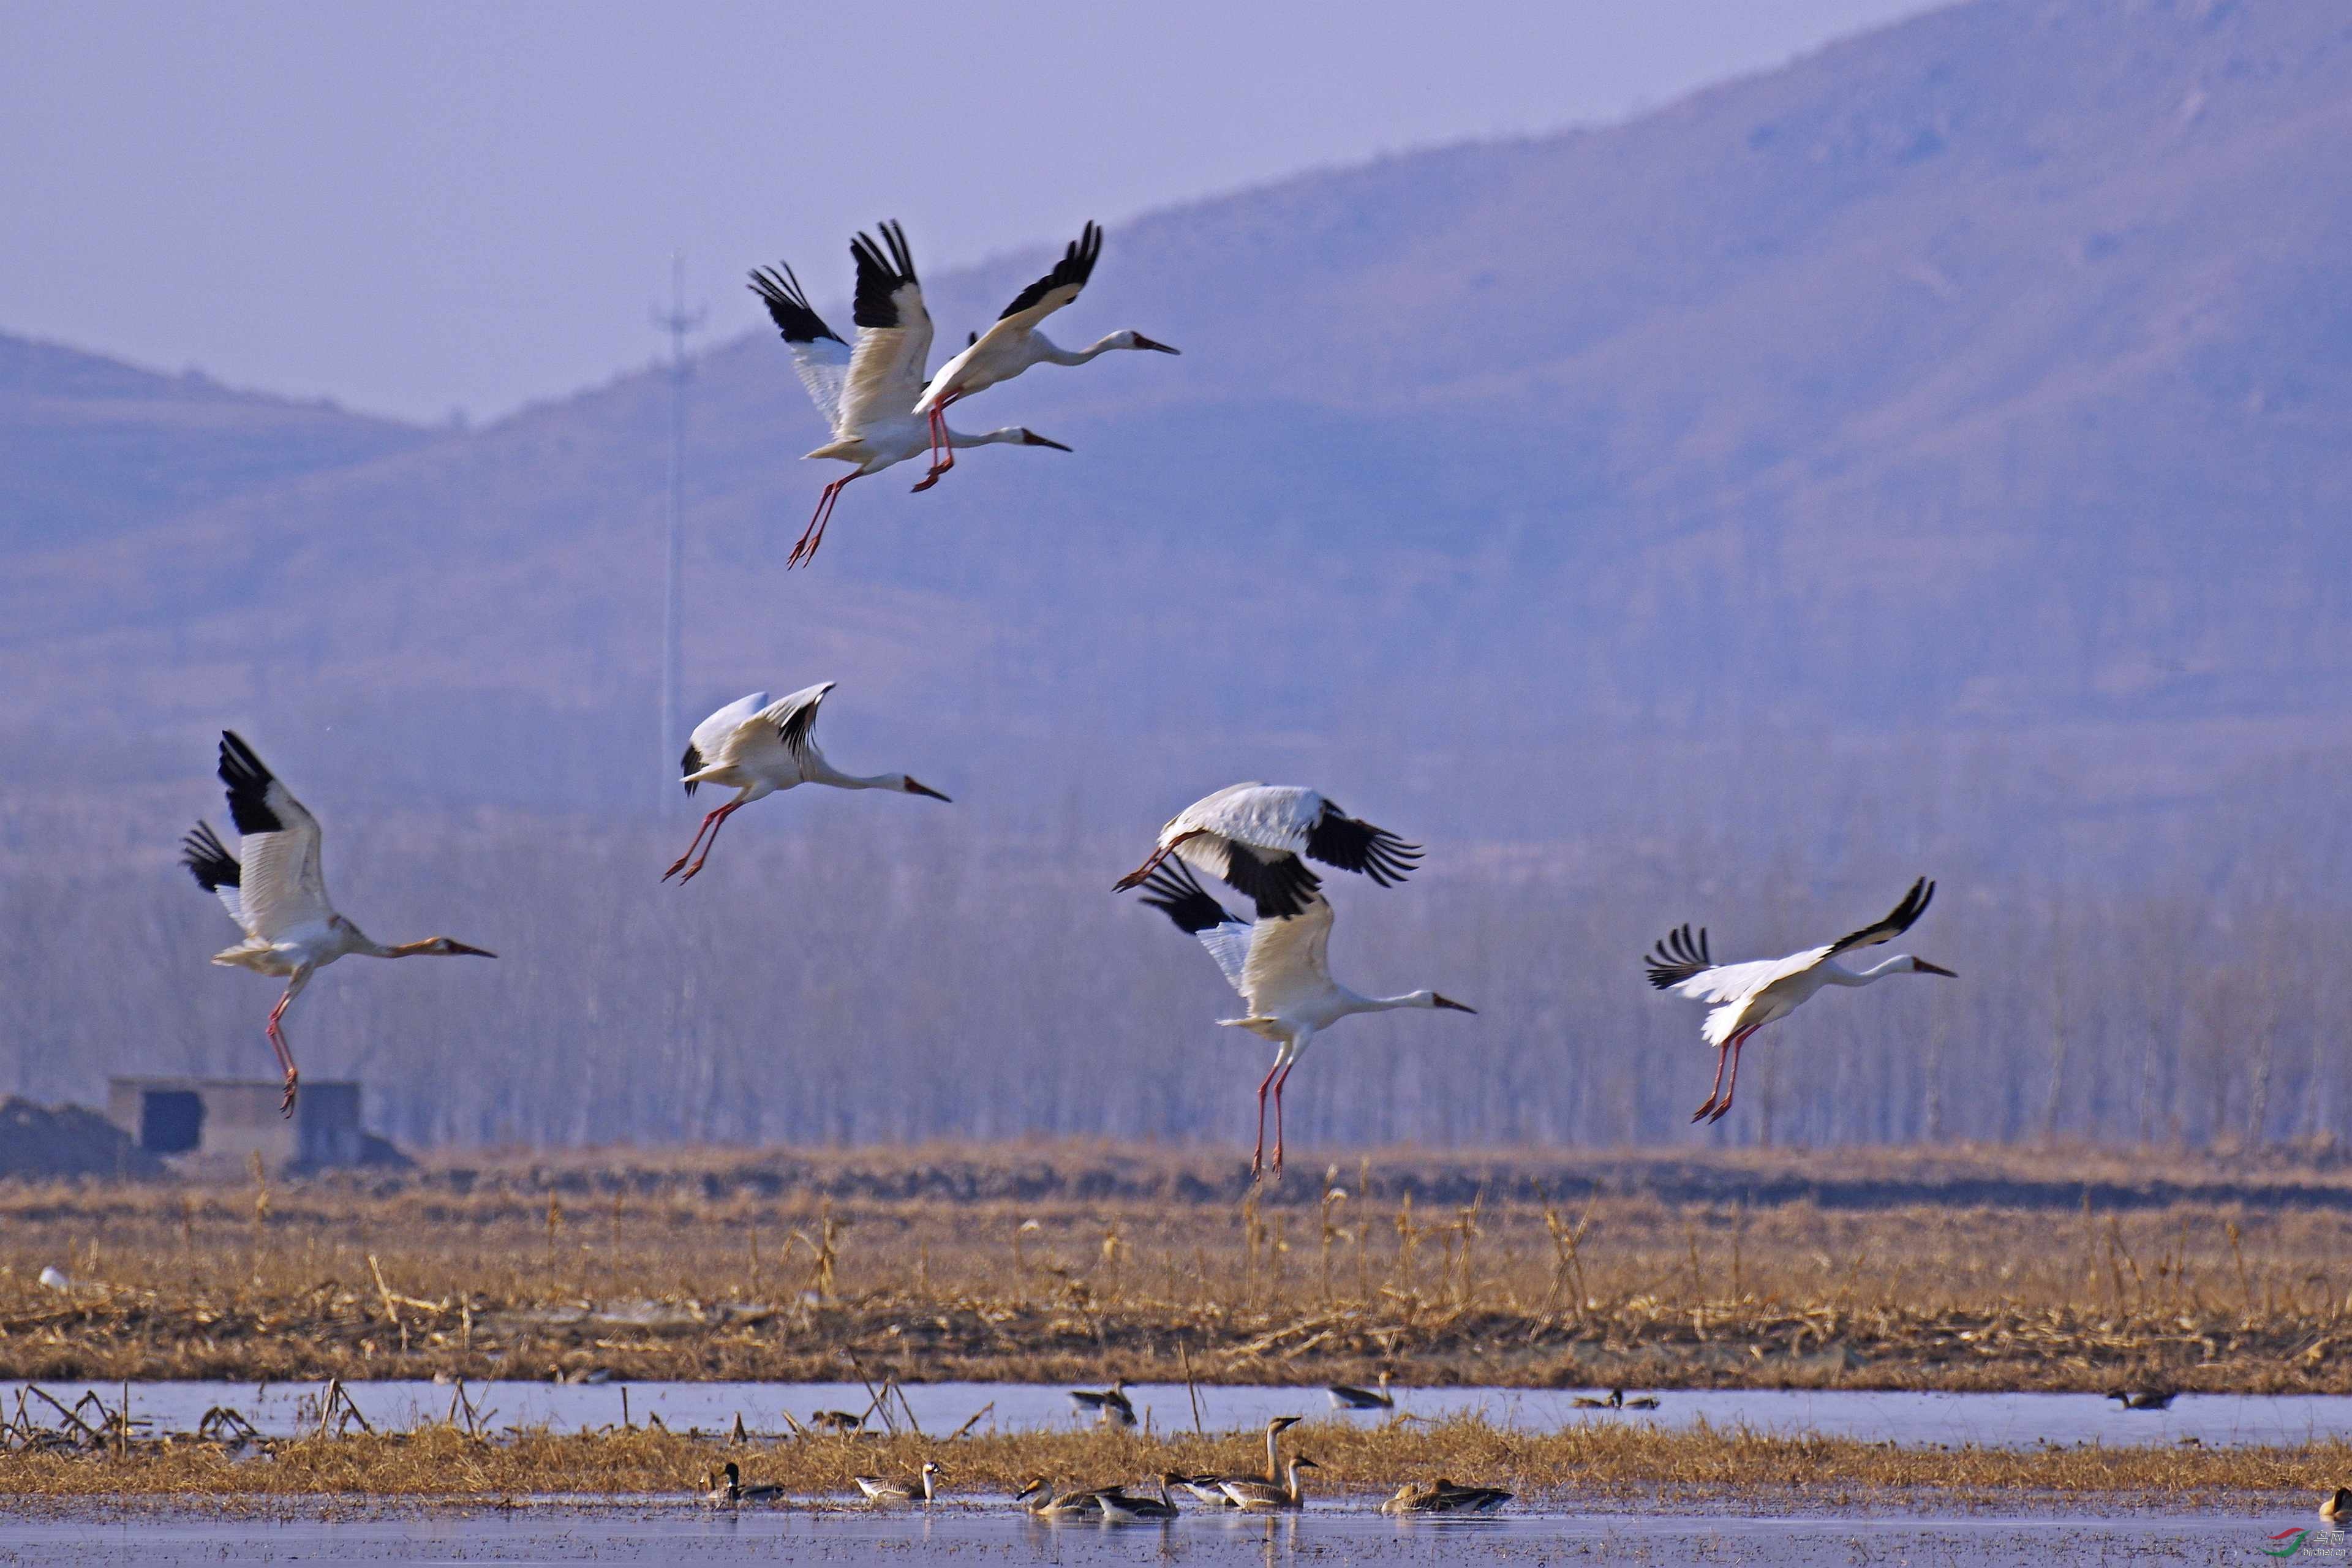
[[1931, 457], [91, 448], [1988, 375]]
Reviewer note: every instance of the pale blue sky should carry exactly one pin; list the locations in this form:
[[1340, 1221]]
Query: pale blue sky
[[415, 208]]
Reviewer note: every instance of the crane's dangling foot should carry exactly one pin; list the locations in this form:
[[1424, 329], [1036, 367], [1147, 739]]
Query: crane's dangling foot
[[942, 447], [679, 864], [1732, 1088], [285, 1056], [717, 820], [1722, 1055]]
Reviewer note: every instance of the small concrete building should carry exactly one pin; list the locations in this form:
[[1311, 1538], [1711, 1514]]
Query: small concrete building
[[215, 1118]]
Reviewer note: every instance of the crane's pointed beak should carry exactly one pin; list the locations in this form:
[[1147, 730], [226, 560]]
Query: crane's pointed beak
[[1143, 343], [456, 947], [1030, 438], [914, 788], [1923, 967], [1452, 1005]]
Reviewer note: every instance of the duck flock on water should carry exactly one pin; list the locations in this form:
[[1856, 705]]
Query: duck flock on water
[[1278, 1489]]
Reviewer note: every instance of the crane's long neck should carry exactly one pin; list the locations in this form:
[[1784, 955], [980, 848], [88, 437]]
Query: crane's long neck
[[1012, 435], [1273, 1464], [1353, 1002], [1839, 974], [825, 772], [1053, 353]]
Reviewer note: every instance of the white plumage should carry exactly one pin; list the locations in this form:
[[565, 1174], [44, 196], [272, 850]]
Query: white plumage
[[1251, 836], [1014, 343], [868, 395], [1743, 998], [1280, 966], [275, 888], [756, 747]]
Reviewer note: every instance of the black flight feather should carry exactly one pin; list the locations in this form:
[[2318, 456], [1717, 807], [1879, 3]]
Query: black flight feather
[[879, 279], [248, 786], [1898, 920], [1678, 957], [788, 307], [1077, 264], [1172, 888], [690, 765], [1280, 887], [1339, 839], [209, 861], [794, 731]]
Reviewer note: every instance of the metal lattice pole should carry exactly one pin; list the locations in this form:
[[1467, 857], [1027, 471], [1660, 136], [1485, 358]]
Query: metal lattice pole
[[678, 321]]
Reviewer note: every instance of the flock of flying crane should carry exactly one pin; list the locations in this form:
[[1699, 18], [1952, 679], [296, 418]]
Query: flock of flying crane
[[884, 409]]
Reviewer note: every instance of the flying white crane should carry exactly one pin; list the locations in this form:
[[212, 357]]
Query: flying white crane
[[755, 748], [274, 888], [1014, 343], [868, 395], [1744, 997], [1250, 836], [1280, 967]]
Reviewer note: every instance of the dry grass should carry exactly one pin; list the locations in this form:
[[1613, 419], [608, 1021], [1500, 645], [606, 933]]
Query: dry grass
[[1977, 1271], [1595, 1463]]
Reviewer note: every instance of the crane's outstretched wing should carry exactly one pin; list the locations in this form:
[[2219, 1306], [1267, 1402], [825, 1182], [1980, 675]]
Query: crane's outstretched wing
[[215, 870], [818, 352], [1288, 958], [281, 879], [1172, 891], [1251, 836], [893, 338], [1276, 883], [714, 735], [1061, 286], [1680, 962], [795, 716], [1898, 920]]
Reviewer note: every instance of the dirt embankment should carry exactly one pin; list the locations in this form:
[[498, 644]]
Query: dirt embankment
[[2310, 1177], [41, 1143]]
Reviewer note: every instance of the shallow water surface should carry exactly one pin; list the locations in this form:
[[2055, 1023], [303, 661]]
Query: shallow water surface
[[1985, 1420], [566, 1533]]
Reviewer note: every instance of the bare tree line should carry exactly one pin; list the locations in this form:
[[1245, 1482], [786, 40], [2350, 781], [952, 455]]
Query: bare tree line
[[850, 972]]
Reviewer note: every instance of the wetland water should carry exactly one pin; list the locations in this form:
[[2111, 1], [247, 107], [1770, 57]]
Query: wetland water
[[1985, 1420], [566, 1531]]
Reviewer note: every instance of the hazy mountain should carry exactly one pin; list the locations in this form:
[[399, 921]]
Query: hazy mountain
[[1988, 375], [90, 446], [1933, 456]]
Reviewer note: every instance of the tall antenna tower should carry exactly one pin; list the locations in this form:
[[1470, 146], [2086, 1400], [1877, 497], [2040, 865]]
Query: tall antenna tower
[[677, 320]]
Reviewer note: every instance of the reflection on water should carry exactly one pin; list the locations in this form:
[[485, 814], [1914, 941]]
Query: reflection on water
[[1985, 1420], [564, 1533]]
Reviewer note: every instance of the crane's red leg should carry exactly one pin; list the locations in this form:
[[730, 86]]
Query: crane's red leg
[[942, 449], [722, 813], [285, 1056], [814, 535], [1258, 1159], [709, 817], [1722, 1055], [1732, 1088], [1278, 1110]]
